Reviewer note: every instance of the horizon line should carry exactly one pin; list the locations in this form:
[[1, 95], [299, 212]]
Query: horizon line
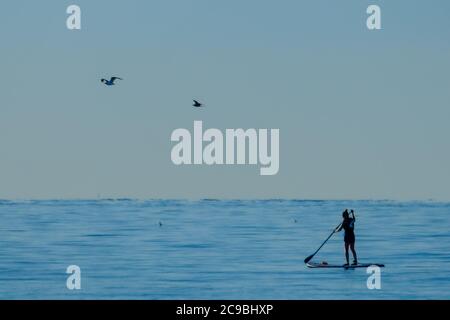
[[221, 199]]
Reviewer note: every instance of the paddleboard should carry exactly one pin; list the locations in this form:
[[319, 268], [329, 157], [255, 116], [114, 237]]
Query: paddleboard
[[326, 265]]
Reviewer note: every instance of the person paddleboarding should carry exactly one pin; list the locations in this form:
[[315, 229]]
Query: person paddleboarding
[[348, 224]]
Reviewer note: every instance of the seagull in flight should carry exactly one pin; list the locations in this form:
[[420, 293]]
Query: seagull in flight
[[197, 104], [111, 82]]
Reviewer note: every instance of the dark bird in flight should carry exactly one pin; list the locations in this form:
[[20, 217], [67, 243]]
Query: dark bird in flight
[[197, 104], [111, 82]]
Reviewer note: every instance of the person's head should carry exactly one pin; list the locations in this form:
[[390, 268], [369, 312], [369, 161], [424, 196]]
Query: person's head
[[345, 214]]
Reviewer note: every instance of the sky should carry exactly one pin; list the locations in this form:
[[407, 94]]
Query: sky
[[362, 114]]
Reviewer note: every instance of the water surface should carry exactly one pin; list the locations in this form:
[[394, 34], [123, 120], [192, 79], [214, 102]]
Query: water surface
[[213, 249]]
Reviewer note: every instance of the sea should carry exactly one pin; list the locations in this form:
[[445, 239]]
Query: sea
[[220, 249]]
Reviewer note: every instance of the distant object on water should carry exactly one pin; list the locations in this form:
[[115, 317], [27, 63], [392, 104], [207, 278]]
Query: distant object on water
[[111, 81]]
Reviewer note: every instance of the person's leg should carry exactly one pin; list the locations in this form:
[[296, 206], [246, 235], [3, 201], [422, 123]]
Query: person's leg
[[346, 251], [352, 247]]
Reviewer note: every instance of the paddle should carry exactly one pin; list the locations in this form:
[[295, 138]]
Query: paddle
[[311, 256]]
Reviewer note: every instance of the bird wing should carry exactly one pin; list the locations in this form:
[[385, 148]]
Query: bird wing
[[115, 78]]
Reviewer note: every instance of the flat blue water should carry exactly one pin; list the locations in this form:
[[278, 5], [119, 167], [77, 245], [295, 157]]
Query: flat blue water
[[220, 249]]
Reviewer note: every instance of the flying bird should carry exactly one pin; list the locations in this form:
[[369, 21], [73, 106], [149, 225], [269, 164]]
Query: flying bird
[[111, 82], [197, 104]]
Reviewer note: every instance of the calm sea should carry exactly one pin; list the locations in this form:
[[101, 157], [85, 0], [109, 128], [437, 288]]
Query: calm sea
[[211, 249]]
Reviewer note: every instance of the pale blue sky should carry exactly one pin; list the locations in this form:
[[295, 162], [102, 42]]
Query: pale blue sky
[[361, 114]]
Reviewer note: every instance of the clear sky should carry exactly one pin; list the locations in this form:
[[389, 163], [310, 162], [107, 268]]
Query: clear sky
[[362, 114]]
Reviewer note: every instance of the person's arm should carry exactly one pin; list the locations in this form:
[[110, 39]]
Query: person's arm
[[353, 215]]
